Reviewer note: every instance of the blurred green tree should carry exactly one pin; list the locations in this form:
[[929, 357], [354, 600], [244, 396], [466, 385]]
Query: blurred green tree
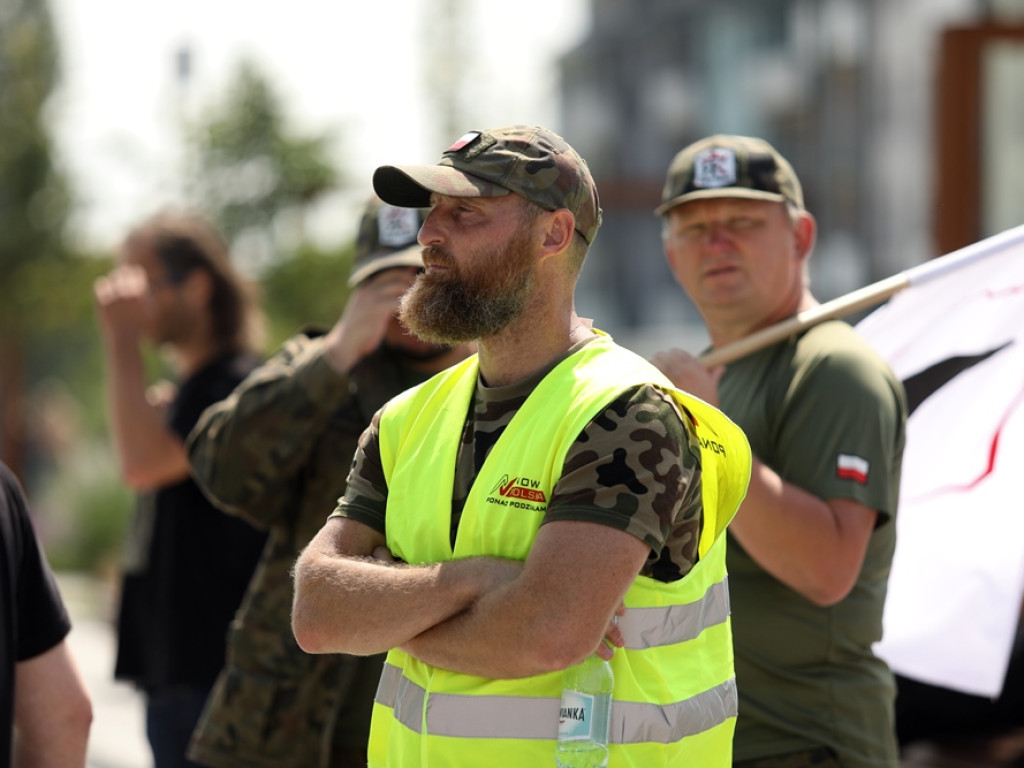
[[33, 208], [52, 426], [251, 174], [256, 179]]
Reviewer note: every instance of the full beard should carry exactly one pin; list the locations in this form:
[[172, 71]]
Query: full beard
[[457, 306]]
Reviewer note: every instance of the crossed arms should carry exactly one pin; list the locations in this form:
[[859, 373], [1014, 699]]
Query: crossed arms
[[483, 616]]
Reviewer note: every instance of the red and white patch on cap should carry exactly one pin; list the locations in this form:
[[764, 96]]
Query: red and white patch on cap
[[714, 167], [850, 467], [397, 226], [463, 141]]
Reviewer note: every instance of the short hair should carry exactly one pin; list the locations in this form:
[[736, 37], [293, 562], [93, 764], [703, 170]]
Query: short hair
[[184, 241]]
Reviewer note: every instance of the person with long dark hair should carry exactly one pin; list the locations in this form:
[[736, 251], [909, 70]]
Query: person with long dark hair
[[187, 564]]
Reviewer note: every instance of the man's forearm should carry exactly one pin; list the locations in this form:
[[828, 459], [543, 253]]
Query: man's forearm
[[487, 616], [52, 712], [472, 643], [361, 606], [542, 615], [358, 605], [150, 455]]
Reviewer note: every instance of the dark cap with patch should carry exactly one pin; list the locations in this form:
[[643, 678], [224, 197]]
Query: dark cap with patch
[[386, 239], [528, 160], [730, 166]]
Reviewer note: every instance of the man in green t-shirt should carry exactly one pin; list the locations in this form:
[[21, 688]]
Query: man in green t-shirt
[[812, 544]]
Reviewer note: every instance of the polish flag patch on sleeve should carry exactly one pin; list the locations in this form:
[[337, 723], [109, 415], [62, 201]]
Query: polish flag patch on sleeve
[[851, 467]]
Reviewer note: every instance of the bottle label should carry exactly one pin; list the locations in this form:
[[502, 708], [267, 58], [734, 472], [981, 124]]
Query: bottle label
[[576, 716]]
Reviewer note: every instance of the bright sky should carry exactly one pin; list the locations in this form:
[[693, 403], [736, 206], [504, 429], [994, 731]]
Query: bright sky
[[339, 65]]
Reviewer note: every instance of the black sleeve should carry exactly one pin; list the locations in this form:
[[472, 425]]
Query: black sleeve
[[41, 619]]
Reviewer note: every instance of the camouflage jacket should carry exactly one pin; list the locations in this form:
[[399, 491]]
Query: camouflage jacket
[[277, 451]]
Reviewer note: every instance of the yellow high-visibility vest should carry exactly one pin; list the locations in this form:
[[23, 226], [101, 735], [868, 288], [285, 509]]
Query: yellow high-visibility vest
[[674, 701]]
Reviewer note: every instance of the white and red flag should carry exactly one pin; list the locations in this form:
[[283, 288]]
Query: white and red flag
[[955, 337]]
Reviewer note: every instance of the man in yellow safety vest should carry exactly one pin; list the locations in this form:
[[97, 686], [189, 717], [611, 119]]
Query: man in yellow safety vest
[[499, 516]]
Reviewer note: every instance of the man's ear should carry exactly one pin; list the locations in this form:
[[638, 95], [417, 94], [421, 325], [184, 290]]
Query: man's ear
[[805, 231], [561, 225]]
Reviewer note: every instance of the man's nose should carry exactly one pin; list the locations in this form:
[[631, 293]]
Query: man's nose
[[717, 233], [430, 232]]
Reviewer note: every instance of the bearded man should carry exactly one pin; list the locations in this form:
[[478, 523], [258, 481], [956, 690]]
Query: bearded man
[[500, 517]]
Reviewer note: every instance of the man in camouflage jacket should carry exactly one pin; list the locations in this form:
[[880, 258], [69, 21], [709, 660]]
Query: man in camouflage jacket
[[277, 451]]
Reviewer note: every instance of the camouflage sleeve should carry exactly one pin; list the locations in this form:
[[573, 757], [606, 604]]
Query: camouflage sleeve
[[366, 490], [636, 467], [247, 451]]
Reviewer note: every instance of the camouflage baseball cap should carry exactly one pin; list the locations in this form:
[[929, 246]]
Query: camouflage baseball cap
[[730, 166], [528, 160], [386, 239]]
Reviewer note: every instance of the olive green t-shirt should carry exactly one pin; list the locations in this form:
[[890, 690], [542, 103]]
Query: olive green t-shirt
[[826, 413]]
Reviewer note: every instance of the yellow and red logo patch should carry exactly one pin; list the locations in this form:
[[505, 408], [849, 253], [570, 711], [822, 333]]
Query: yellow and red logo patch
[[520, 488]]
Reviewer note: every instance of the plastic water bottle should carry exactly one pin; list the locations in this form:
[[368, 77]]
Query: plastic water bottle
[[585, 714]]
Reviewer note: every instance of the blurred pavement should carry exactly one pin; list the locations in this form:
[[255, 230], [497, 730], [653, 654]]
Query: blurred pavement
[[118, 735]]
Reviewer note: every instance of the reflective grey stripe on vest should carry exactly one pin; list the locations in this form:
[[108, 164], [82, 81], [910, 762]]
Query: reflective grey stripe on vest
[[650, 627], [520, 717]]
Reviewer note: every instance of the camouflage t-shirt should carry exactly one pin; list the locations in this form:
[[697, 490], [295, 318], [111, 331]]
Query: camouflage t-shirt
[[614, 474]]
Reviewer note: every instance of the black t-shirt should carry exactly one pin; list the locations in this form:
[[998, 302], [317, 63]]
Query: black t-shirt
[[192, 565], [34, 617]]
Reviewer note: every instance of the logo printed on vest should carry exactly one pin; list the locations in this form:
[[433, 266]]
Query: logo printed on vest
[[711, 445], [518, 492]]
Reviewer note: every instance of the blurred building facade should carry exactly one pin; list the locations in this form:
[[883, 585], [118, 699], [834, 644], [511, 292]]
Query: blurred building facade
[[849, 90]]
